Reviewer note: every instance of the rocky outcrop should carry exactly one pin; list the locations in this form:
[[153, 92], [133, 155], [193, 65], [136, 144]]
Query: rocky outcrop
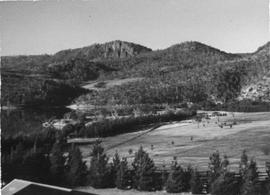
[[111, 50], [121, 49], [258, 91]]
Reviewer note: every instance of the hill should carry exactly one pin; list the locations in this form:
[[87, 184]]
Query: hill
[[185, 72]]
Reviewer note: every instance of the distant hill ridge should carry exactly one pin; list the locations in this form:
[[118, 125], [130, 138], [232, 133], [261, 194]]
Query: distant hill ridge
[[189, 71], [114, 49]]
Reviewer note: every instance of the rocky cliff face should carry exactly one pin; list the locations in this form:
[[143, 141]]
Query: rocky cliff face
[[111, 50], [258, 91], [121, 49]]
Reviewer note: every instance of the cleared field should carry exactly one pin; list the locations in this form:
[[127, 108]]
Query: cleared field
[[102, 85], [114, 191], [192, 143]]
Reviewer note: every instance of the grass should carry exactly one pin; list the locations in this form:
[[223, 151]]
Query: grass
[[251, 133], [102, 85], [114, 191]]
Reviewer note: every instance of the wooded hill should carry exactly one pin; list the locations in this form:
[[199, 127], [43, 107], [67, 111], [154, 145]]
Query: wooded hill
[[189, 72]]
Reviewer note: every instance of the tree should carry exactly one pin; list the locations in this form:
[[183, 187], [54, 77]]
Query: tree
[[144, 169], [115, 165], [34, 167], [99, 171], [243, 162], [250, 185], [122, 175], [57, 161], [196, 184], [76, 168], [176, 179], [226, 182], [214, 166]]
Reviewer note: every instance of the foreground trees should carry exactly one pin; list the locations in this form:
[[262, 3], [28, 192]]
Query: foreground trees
[[63, 168], [144, 169], [99, 173]]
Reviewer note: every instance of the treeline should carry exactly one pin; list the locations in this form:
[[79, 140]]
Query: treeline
[[77, 70], [110, 127], [35, 91], [142, 174]]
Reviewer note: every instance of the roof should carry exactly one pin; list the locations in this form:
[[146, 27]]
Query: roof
[[18, 186]]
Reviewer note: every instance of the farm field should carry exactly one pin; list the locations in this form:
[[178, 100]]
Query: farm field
[[192, 143]]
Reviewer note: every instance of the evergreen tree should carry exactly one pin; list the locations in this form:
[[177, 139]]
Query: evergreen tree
[[176, 179], [226, 183], [34, 167], [99, 173], [164, 177], [243, 162], [196, 184], [57, 161], [214, 167], [115, 165], [122, 175], [76, 168], [144, 169], [250, 185]]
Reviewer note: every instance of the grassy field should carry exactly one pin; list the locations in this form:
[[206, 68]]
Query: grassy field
[[108, 83], [252, 133], [114, 191]]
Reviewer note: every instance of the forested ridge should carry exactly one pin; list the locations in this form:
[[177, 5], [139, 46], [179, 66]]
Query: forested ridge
[[185, 72]]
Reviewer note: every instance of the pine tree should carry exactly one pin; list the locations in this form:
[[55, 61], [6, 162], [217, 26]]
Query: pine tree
[[99, 173], [196, 184], [243, 162], [115, 165], [144, 169], [122, 175], [214, 167], [225, 183], [176, 179], [57, 161], [34, 167], [250, 180], [76, 168]]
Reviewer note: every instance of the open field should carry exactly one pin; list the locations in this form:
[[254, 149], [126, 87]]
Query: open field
[[115, 191], [102, 85], [252, 132]]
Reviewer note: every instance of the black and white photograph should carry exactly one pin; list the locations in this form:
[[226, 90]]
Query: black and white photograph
[[135, 97]]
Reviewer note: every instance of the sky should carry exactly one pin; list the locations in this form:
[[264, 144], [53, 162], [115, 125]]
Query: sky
[[49, 26]]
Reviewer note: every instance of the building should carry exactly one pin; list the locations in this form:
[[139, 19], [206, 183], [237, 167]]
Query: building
[[23, 187]]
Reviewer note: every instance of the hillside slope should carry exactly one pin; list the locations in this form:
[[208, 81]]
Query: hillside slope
[[185, 72]]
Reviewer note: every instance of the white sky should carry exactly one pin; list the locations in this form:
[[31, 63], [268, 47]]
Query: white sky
[[50, 26]]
